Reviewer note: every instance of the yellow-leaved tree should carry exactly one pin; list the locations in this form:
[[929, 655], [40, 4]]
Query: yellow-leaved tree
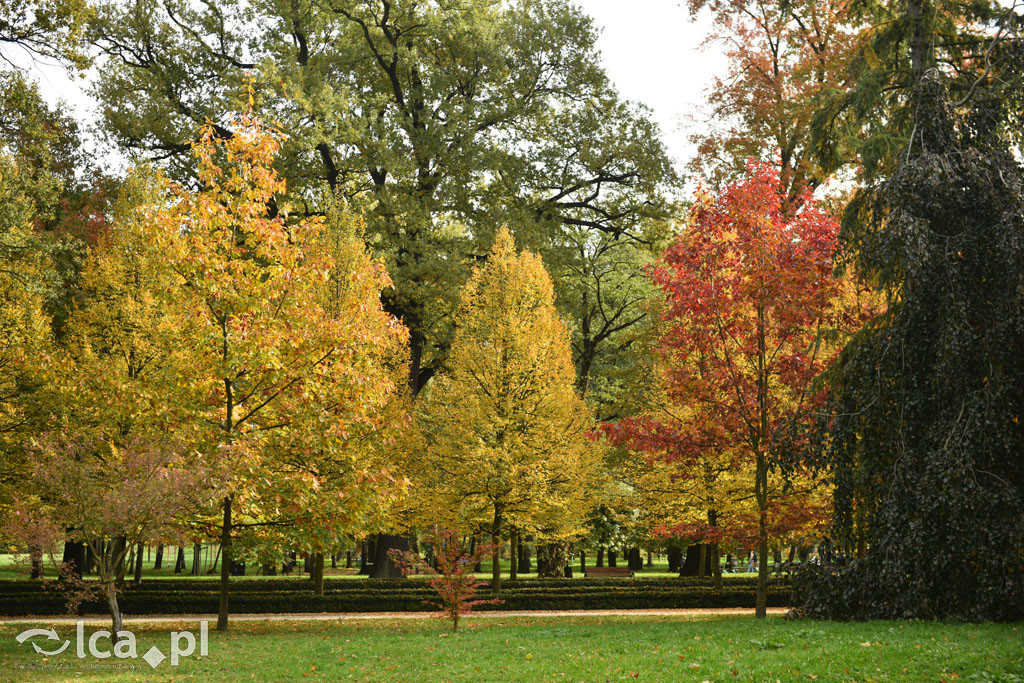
[[505, 432], [293, 358]]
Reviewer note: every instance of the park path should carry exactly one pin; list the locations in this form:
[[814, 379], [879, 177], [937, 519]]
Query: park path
[[364, 616]]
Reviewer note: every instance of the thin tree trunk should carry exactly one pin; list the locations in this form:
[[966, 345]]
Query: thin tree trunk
[[600, 556], [762, 537], [348, 559], [583, 563], [118, 551], [158, 562], [179, 561], [318, 575], [703, 560], [225, 566], [496, 555], [115, 612], [197, 555], [138, 564], [513, 554]]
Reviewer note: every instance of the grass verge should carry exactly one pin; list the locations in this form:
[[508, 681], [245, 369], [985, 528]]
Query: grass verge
[[620, 648]]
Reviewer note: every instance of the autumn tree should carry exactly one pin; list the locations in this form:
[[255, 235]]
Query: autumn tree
[[748, 288], [453, 579], [113, 498], [783, 57], [437, 120], [504, 428], [292, 352]]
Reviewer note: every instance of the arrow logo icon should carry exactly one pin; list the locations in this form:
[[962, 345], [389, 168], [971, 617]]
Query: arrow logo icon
[[51, 634]]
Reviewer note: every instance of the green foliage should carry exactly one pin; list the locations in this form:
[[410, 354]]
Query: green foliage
[[53, 29], [438, 121], [296, 595], [869, 114]]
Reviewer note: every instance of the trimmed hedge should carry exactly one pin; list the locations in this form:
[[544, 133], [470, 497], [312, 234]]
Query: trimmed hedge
[[263, 585], [408, 597]]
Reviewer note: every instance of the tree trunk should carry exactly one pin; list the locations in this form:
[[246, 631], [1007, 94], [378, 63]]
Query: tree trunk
[[513, 555], [496, 554], [74, 557], [334, 560], [318, 575], [551, 560], [600, 556], [650, 560], [383, 566], [225, 566], [761, 494], [702, 563], [611, 557], [675, 558], [138, 564], [90, 559], [364, 553], [583, 563], [348, 559], [158, 561], [115, 612], [216, 559], [35, 554], [197, 554], [118, 551], [634, 560], [524, 555], [691, 566], [179, 561]]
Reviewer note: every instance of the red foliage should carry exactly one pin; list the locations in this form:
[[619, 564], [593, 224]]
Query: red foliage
[[453, 579], [748, 288]]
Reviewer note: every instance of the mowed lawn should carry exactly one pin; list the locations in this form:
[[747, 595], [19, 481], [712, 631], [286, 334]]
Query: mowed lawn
[[620, 648]]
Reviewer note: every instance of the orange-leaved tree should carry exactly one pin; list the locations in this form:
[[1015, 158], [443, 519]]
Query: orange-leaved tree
[[293, 356], [749, 291]]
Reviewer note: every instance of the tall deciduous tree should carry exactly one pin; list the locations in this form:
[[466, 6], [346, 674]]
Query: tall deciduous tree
[[292, 350], [504, 427], [748, 289], [52, 29], [439, 120]]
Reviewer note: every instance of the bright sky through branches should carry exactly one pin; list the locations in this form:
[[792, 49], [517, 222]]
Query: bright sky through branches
[[652, 50]]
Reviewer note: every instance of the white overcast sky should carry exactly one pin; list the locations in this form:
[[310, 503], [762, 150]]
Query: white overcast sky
[[652, 51]]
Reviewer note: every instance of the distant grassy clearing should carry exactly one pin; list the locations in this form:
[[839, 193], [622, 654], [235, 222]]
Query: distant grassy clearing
[[570, 649]]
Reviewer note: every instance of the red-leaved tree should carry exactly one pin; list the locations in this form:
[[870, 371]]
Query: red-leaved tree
[[749, 290], [112, 498], [453, 579]]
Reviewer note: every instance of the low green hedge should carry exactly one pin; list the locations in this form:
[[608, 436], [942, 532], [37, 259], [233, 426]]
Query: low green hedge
[[288, 584], [410, 599]]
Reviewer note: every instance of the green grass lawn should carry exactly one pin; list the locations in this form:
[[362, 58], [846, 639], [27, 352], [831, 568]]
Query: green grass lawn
[[566, 649]]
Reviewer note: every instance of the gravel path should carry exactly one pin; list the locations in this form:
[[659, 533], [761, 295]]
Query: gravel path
[[363, 616]]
